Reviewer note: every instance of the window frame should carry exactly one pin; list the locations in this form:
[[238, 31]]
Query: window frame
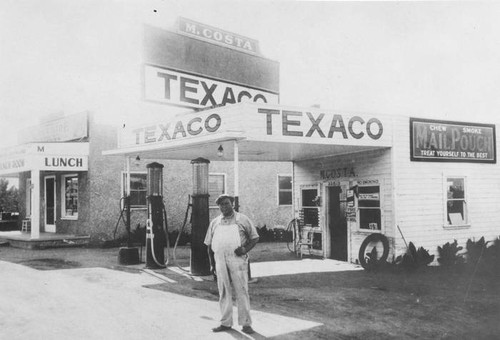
[[309, 207], [279, 190], [359, 209], [123, 189], [64, 216], [466, 220], [224, 175]]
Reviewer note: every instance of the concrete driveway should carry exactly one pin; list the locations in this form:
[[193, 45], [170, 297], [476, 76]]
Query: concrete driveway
[[100, 303]]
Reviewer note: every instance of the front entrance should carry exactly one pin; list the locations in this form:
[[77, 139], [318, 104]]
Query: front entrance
[[50, 204], [337, 223]]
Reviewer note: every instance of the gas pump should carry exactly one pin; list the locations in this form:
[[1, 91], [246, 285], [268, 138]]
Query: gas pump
[[156, 231], [200, 219]]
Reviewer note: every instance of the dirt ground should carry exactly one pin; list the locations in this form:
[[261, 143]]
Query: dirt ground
[[431, 303]]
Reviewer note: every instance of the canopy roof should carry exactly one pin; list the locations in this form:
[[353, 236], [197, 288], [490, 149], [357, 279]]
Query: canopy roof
[[264, 133]]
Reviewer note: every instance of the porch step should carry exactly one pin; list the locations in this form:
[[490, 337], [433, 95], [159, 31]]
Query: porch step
[[55, 241]]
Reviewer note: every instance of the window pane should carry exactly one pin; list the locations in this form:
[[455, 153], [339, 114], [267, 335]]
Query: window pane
[[370, 219], [285, 198], [285, 182], [138, 181], [308, 196], [455, 188], [456, 207], [310, 216], [138, 189], [456, 212], [71, 196], [369, 196]]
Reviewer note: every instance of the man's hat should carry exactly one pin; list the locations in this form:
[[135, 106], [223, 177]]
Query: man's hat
[[221, 197]]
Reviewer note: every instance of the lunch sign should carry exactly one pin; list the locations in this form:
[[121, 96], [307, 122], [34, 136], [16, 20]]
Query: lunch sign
[[445, 141]]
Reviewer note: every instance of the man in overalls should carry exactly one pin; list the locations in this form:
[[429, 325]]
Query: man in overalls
[[229, 238]]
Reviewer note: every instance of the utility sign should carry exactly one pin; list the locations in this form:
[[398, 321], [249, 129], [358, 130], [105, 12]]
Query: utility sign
[[186, 90]]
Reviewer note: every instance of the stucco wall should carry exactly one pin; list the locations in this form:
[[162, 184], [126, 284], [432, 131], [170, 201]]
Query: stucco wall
[[258, 189]]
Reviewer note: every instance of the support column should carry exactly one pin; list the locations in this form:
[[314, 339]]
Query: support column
[[35, 204], [236, 177]]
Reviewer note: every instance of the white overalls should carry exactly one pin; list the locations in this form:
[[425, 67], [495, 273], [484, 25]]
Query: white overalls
[[233, 269]]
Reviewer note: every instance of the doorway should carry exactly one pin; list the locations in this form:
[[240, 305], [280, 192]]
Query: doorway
[[50, 204], [337, 223]]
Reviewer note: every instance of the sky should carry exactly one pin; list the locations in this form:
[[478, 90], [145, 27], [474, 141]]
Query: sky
[[426, 59]]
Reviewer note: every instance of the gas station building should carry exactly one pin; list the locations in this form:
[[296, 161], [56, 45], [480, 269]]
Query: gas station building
[[349, 174]]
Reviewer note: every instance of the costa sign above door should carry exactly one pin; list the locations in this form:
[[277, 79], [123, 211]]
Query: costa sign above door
[[187, 90]]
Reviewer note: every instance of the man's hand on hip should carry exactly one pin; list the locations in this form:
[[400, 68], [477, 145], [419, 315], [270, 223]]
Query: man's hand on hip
[[240, 251]]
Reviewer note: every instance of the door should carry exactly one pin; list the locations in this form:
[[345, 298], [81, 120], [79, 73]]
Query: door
[[337, 223], [50, 204]]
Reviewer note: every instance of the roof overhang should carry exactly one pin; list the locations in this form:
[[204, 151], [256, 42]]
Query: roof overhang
[[263, 132], [58, 156]]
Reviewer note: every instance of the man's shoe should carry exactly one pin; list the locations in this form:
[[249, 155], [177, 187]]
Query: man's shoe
[[221, 328], [247, 330]]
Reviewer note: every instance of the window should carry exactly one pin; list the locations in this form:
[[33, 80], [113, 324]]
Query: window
[[456, 207], [309, 208], [138, 189], [216, 187], [70, 197], [369, 207], [284, 190]]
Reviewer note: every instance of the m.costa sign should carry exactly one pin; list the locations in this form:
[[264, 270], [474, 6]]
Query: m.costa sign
[[444, 141], [217, 36]]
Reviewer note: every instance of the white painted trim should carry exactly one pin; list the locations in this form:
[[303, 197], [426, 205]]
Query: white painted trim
[[29, 197], [35, 212], [50, 228]]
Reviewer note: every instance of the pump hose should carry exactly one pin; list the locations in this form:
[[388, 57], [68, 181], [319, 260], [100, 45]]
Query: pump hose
[[165, 228], [150, 227], [121, 216], [179, 236]]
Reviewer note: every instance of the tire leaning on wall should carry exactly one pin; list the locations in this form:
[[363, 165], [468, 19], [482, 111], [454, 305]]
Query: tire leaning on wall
[[375, 237]]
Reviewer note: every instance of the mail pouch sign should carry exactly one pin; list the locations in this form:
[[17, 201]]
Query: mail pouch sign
[[441, 141]]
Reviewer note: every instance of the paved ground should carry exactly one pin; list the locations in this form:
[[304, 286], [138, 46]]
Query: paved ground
[[103, 303]]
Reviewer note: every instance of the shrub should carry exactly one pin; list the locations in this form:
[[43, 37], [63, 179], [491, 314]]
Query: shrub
[[277, 234], [373, 263], [485, 258], [448, 254], [492, 255], [414, 258], [184, 238]]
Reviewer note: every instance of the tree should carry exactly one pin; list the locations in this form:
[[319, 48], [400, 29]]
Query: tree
[[9, 197]]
